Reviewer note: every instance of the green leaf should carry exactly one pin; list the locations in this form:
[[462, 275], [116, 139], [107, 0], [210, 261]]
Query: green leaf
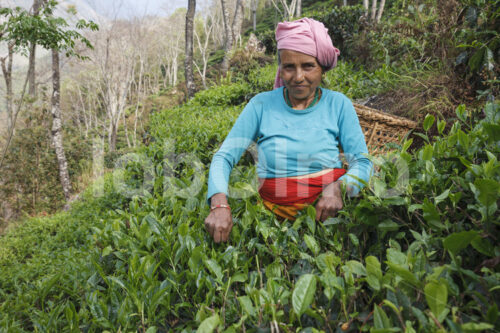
[[239, 277], [431, 215], [214, 268], [311, 212], [312, 244], [492, 314], [311, 224], [183, 229], [428, 122], [427, 152], [246, 305], [492, 131], [403, 272], [488, 191], [107, 250], [388, 225], [406, 145], [356, 267], [463, 139], [209, 324], [373, 271], [380, 319], [483, 246], [440, 126], [332, 221], [303, 293], [396, 257], [328, 261], [459, 240], [442, 196], [477, 59], [153, 224], [461, 112], [354, 239], [436, 295], [476, 327], [273, 270]]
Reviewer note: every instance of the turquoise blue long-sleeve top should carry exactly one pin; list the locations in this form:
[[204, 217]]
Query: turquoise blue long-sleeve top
[[294, 142]]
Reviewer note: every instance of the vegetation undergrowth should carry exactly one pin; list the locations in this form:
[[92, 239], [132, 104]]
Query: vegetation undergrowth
[[416, 251]]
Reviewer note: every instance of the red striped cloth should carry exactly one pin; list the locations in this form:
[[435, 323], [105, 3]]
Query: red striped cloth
[[290, 191]]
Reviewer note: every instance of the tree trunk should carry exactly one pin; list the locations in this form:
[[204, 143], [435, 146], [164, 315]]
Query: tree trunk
[[7, 69], [298, 11], [112, 133], [374, 10], [126, 130], [228, 43], [288, 8], [188, 63], [366, 4], [254, 14], [32, 55], [237, 21], [174, 64], [57, 138], [380, 10], [7, 75], [31, 70]]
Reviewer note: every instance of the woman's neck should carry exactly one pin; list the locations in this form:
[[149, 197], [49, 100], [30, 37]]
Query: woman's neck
[[302, 104]]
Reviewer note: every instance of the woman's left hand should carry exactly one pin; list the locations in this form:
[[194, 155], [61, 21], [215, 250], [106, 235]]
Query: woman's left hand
[[330, 202]]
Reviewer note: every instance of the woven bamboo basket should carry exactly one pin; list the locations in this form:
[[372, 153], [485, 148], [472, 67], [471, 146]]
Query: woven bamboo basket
[[381, 128]]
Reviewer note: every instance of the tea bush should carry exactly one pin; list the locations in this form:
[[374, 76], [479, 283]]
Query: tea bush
[[416, 251]]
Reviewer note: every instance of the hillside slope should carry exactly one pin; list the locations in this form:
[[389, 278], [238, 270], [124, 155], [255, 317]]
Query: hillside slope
[[133, 254]]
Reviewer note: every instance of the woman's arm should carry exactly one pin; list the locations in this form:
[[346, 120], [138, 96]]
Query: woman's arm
[[219, 222], [353, 143], [352, 139], [243, 133]]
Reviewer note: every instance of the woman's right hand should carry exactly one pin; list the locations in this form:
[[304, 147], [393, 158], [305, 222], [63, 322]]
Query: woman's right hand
[[219, 222]]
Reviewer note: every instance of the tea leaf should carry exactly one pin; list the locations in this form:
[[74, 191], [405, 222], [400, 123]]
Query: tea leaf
[[436, 294], [246, 305], [356, 267], [459, 240], [303, 293], [380, 319], [427, 152], [488, 191], [312, 244], [405, 274], [428, 121], [214, 268], [483, 246], [373, 271], [209, 324]]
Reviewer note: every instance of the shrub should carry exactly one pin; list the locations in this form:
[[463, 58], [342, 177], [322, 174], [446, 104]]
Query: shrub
[[412, 253]]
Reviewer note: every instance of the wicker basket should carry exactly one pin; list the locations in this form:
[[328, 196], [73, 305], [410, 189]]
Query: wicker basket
[[381, 128]]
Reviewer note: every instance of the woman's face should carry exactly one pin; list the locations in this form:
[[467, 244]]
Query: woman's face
[[301, 74]]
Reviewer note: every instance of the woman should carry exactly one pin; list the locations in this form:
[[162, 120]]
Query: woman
[[298, 128]]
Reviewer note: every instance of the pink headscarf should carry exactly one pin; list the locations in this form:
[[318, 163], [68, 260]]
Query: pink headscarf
[[307, 36]]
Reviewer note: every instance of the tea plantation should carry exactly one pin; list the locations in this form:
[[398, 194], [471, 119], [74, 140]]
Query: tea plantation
[[417, 251]]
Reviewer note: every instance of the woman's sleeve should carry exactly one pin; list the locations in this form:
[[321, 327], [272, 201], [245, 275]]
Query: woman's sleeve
[[353, 143], [243, 133]]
